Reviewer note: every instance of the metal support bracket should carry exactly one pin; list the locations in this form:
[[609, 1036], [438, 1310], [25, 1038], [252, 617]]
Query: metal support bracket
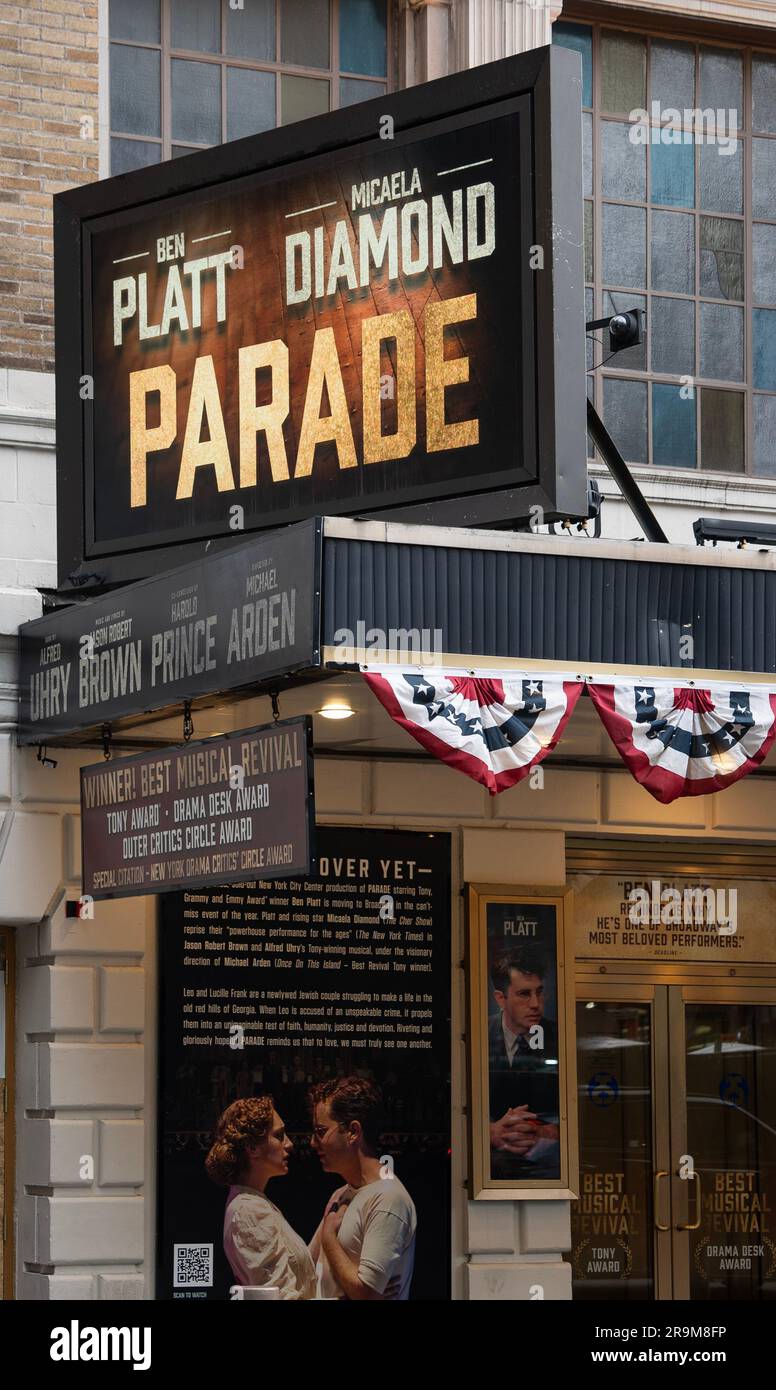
[[623, 477]]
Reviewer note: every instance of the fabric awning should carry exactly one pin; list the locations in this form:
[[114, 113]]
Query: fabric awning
[[676, 738]]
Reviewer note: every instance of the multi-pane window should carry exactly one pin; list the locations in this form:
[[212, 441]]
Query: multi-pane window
[[186, 74], [680, 220]]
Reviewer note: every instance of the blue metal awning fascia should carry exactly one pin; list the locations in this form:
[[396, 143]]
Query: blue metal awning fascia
[[531, 598]]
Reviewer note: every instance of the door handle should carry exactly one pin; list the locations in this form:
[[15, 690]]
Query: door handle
[[662, 1173], [693, 1225]]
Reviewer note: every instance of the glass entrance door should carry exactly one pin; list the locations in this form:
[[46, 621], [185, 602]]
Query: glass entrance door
[[621, 1243], [677, 1138], [724, 1064]]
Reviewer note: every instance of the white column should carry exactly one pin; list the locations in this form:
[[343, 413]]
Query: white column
[[484, 30], [424, 40]]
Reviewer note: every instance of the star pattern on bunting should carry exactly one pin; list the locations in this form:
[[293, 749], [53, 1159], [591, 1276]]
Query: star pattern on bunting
[[494, 730], [677, 739]]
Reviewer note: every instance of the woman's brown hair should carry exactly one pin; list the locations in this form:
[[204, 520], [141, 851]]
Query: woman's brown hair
[[243, 1124]]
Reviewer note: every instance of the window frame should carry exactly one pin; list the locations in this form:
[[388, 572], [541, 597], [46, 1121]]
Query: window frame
[[332, 75], [747, 47]]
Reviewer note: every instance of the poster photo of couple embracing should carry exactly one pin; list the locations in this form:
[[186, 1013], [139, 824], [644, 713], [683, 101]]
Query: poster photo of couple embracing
[[364, 1245]]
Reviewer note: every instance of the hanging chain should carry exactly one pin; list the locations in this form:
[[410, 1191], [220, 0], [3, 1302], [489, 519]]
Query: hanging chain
[[106, 748], [188, 722], [275, 706]]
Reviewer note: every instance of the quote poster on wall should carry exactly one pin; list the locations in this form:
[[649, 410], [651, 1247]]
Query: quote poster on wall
[[331, 995]]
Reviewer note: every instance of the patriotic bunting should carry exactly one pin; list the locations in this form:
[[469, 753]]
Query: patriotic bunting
[[676, 739], [493, 729], [687, 740]]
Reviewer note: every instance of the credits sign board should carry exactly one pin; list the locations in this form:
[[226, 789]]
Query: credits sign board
[[231, 620], [212, 811], [379, 309]]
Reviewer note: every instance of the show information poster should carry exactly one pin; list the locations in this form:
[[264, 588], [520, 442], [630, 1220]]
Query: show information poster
[[523, 1054], [271, 988], [203, 812]]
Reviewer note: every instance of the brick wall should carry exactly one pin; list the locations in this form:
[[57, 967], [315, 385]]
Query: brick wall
[[48, 142]]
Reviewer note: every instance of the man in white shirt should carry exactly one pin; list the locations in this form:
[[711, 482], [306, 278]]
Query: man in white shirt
[[366, 1241]]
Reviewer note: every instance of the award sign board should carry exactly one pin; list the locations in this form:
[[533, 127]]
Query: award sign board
[[205, 812], [215, 626], [378, 310], [271, 989], [674, 919]]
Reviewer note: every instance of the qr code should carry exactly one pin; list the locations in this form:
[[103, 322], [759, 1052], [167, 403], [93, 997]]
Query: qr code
[[193, 1266]]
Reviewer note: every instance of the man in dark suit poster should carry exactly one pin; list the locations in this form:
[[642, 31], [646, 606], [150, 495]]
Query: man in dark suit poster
[[523, 1049]]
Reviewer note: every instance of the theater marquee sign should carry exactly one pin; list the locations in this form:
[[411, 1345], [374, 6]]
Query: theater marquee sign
[[346, 316]]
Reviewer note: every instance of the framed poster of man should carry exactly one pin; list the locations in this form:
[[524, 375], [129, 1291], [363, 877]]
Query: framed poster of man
[[521, 1025]]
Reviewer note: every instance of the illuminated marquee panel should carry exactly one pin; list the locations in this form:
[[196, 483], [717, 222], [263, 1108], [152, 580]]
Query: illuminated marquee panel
[[380, 309]]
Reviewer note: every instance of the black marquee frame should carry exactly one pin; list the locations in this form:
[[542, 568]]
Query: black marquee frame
[[547, 83]]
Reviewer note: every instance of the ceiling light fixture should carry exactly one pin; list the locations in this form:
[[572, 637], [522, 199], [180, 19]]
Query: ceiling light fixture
[[336, 709]]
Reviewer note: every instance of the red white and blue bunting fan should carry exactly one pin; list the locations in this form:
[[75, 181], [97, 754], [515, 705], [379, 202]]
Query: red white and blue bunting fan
[[687, 740], [493, 728]]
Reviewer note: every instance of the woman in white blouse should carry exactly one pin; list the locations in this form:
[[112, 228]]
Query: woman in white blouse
[[251, 1146]]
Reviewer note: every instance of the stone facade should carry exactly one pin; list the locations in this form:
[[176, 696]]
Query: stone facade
[[84, 1079]]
